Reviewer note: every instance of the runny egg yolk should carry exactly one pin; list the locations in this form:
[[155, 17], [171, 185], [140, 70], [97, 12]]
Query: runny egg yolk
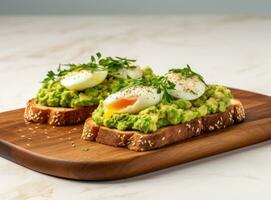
[[118, 105]]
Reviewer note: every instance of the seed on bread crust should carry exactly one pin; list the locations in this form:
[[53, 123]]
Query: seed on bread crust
[[56, 116]]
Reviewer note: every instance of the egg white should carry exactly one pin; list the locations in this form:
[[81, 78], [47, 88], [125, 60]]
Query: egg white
[[145, 97], [134, 73], [80, 80], [190, 88]]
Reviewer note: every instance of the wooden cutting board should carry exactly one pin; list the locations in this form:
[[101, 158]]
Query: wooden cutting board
[[59, 151]]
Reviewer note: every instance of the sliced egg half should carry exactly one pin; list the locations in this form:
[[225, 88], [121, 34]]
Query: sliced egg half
[[80, 80], [131, 100], [134, 73], [190, 88]]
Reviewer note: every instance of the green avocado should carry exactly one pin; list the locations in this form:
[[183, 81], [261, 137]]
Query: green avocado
[[215, 99], [53, 94]]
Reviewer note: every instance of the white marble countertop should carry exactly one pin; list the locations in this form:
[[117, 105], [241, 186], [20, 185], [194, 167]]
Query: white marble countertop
[[230, 50]]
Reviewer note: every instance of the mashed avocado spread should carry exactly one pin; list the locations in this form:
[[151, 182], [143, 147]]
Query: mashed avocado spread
[[215, 99], [53, 94]]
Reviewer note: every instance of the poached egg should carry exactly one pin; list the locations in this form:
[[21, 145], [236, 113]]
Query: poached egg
[[133, 72], [80, 80], [186, 88], [131, 100]]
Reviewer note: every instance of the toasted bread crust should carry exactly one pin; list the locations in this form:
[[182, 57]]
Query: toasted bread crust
[[137, 141], [56, 116]]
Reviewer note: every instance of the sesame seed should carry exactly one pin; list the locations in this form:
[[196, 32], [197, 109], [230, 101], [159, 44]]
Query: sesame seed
[[85, 149], [163, 138]]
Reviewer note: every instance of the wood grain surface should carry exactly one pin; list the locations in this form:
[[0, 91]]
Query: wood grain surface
[[59, 151]]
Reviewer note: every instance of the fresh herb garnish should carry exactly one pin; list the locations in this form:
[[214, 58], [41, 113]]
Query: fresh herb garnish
[[97, 63], [161, 83], [187, 72], [115, 64], [50, 76]]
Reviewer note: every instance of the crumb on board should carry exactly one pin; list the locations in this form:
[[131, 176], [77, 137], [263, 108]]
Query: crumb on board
[[85, 149]]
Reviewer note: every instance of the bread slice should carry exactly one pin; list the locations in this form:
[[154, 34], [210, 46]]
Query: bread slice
[[56, 116], [137, 141]]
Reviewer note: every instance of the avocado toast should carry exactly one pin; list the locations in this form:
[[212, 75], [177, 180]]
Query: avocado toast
[[162, 110], [69, 95]]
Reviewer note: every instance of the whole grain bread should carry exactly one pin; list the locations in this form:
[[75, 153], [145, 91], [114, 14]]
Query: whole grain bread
[[56, 116], [137, 141]]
